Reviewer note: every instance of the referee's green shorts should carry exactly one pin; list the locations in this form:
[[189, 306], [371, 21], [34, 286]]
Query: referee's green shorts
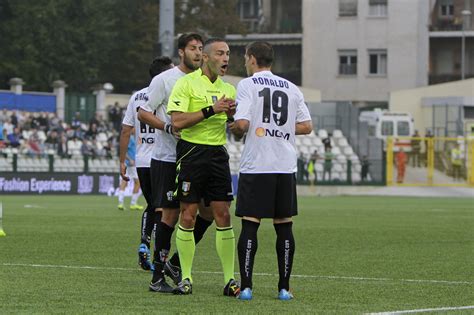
[[202, 172]]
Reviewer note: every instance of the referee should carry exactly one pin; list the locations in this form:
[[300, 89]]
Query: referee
[[199, 106]]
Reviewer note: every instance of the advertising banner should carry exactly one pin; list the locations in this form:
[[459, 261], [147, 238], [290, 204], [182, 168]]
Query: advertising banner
[[58, 183]]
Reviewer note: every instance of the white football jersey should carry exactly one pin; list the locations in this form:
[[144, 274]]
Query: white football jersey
[[273, 106], [144, 134], [158, 93]]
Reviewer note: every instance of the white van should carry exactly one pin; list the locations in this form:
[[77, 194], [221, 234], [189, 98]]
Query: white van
[[383, 124]]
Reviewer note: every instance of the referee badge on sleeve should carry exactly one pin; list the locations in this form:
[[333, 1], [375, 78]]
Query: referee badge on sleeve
[[185, 187]]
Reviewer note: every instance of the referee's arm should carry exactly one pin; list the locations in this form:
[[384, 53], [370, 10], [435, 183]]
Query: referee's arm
[[182, 120]]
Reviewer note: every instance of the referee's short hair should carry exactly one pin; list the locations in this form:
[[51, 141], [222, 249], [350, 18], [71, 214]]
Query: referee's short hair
[[184, 39], [262, 51], [159, 64]]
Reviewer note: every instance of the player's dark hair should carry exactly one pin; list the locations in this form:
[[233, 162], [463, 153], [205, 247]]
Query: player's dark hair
[[159, 64], [184, 39], [262, 51]]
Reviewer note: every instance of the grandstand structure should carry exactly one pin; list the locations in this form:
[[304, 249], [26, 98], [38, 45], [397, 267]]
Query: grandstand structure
[[346, 165]]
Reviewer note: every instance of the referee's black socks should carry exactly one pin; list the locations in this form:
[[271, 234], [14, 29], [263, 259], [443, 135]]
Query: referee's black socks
[[285, 248], [247, 248], [200, 228]]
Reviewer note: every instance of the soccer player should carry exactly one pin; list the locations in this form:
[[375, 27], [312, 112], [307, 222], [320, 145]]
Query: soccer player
[[145, 138], [163, 163], [198, 105], [271, 110], [128, 159]]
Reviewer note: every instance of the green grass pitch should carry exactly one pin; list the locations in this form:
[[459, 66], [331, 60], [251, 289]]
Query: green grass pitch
[[353, 255]]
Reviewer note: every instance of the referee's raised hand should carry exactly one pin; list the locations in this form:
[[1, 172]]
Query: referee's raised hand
[[222, 105]]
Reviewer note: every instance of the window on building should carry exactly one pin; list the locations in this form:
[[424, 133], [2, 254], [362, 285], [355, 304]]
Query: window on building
[[387, 128], [347, 62], [248, 9], [378, 62], [403, 128], [378, 7], [446, 8], [347, 7]]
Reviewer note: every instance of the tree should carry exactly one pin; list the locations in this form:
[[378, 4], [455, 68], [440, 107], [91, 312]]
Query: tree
[[214, 18]]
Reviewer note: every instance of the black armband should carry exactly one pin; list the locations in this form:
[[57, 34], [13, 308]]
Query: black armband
[[168, 128], [208, 112], [230, 119]]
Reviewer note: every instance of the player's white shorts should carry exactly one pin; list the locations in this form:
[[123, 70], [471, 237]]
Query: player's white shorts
[[131, 172]]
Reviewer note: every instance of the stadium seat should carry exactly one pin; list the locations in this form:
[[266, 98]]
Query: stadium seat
[[337, 134], [298, 141], [322, 133], [306, 141], [336, 151], [342, 142], [348, 151]]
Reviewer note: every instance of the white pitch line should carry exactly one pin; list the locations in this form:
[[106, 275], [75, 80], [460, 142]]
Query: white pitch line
[[454, 308], [256, 274]]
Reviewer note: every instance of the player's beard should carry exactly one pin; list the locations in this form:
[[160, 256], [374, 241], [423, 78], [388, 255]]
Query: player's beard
[[191, 64]]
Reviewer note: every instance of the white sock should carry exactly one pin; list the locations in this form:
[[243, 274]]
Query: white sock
[[121, 196], [135, 198]]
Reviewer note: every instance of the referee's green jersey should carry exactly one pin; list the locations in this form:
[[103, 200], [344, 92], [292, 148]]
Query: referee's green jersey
[[194, 92]]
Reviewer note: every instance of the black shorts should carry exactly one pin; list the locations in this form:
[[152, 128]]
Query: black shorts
[[145, 183], [203, 173], [163, 176], [267, 196]]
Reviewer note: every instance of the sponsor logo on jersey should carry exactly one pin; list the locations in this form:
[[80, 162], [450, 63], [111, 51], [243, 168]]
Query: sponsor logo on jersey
[[274, 133], [169, 195], [150, 140], [176, 102]]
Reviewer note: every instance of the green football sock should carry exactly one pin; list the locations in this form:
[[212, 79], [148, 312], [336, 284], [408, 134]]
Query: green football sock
[[225, 245], [186, 247]]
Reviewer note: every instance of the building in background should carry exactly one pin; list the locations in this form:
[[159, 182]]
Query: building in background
[[360, 50], [446, 32], [277, 22]]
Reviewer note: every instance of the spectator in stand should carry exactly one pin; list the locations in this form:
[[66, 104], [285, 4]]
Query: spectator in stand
[[314, 157], [108, 149], [4, 115], [415, 149], [52, 140], [8, 126], [43, 121], [86, 149], [302, 177], [327, 142], [76, 121], [327, 167], [14, 138], [115, 116], [92, 132], [14, 119], [97, 148], [63, 150], [53, 122], [428, 136], [456, 162], [364, 170], [94, 120]]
